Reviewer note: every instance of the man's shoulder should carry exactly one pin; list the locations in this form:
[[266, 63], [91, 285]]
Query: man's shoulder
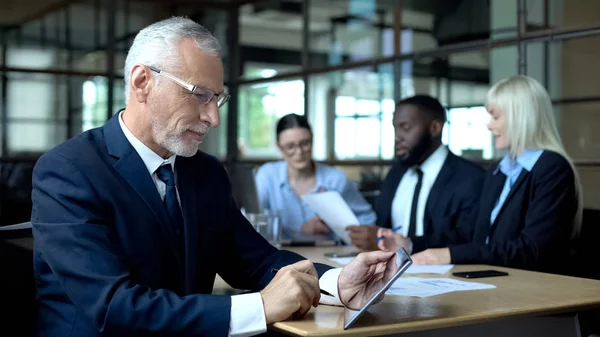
[[466, 166], [78, 149]]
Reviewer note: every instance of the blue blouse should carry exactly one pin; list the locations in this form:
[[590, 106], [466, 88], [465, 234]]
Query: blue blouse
[[276, 193]]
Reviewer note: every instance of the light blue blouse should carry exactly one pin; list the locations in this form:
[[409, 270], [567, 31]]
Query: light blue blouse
[[275, 193]]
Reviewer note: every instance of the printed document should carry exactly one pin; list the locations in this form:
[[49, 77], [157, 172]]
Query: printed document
[[426, 287]]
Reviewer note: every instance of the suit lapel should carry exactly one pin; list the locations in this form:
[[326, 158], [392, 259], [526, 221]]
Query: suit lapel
[[131, 167], [390, 187], [511, 194], [446, 173], [489, 196], [189, 206]]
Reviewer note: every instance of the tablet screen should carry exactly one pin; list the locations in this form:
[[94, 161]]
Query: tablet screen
[[403, 261]]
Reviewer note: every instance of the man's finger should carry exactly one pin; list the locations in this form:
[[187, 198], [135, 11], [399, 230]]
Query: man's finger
[[354, 228], [353, 235], [310, 286], [305, 266], [374, 257], [391, 268]]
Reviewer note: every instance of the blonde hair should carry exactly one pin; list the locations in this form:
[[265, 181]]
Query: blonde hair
[[530, 124]]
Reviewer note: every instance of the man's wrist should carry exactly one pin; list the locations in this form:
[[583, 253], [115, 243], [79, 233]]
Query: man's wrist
[[248, 316]]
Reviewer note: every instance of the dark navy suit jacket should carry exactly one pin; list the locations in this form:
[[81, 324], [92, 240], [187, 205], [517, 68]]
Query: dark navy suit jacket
[[105, 259], [533, 228], [453, 198]]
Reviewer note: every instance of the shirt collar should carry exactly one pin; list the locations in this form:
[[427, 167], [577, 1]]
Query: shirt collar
[[526, 160], [433, 164], [152, 160]]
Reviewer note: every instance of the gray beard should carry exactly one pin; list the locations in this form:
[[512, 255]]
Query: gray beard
[[173, 142]]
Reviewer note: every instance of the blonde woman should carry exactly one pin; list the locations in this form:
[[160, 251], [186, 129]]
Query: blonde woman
[[530, 206]]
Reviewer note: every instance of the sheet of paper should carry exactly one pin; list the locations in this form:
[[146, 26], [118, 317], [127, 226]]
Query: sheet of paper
[[334, 211], [426, 287], [431, 269]]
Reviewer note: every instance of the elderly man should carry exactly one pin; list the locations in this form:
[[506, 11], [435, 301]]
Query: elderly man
[[132, 223]]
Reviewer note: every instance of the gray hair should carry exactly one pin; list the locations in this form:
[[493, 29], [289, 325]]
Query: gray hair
[[157, 45]]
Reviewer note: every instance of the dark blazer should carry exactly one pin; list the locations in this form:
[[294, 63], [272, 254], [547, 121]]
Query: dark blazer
[[105, 259], [453, 197], [533, 228]]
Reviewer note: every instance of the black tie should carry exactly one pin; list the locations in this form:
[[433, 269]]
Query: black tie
[[415, 202], [165, 173]]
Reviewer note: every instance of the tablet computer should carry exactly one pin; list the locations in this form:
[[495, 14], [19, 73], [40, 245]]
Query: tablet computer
[[403, 261]]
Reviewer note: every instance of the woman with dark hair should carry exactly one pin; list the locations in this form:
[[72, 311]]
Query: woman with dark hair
[[281, 184]]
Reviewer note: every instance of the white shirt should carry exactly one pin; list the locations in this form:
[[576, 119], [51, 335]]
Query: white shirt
[[402, 203], [152, 160], [247, 311]]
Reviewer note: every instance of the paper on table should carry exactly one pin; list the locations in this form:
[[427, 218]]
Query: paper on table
[[414, 269], [429, 269], [426, 287], [335, 212]]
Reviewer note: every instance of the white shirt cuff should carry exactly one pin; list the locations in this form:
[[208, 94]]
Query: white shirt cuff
[[329, 283], [247, 315]]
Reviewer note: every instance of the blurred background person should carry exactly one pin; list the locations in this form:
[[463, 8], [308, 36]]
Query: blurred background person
[[531, 204], [428, 188], [282, 184]]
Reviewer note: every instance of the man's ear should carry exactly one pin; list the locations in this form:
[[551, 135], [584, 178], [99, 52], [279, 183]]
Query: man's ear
[[436, 127], [140, 82]]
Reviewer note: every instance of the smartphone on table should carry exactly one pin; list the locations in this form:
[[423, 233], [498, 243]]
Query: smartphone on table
[[480, 273]]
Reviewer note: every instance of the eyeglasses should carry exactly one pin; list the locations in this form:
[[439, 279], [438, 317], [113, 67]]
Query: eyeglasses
[[203, 95], [290, 148]]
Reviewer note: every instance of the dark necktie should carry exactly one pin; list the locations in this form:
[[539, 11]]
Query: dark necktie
[[165, 173], [415, 202]]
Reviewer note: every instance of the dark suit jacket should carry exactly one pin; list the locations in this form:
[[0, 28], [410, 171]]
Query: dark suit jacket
[[105, 259], [453, 197], [533, 228]]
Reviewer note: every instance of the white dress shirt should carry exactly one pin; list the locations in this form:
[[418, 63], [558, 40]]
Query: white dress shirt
[[402, 203], [247, 311]]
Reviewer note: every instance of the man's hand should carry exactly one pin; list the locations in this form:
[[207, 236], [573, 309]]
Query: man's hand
[[364, 237], [315, 226], [293, 290], [364, 276], [432, 256], [392, 242]]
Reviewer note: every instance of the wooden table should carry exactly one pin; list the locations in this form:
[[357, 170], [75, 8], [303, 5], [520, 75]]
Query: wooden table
[[523, 304]]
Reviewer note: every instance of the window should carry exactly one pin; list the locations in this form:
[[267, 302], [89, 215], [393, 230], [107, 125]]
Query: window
[[363, 128], [94, 96], [260, 107], [36, 112], [466, 133]]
